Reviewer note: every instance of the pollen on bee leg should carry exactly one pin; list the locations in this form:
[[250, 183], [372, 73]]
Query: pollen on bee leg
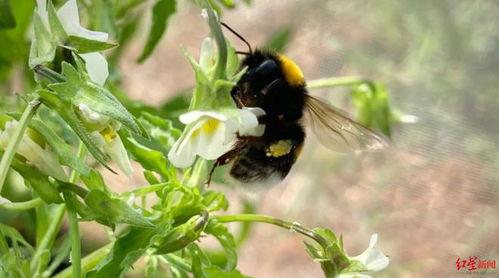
[[282, 147]]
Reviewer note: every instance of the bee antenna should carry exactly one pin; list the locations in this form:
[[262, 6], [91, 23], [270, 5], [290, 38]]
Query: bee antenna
[[240, 37]]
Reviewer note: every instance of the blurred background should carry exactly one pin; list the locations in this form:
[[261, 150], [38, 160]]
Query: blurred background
[[433, 197]]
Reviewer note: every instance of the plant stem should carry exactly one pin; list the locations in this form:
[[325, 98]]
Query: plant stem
[[74, 233], [53, 228], [11, 149], [49, 236], [74, 229], [89, 262], [4, 248], [274, 221], [23, 205], [336, 82]]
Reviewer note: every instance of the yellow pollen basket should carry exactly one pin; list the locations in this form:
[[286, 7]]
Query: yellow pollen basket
[[292, 73], [282, 147]]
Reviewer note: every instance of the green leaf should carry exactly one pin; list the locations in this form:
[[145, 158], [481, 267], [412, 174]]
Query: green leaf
[[127, 249], [64, 151], [42, 46], [150, 159], [216, 272], [7, 20], [197, 266], [182, 235], [55, 24], [83, 45], [79, 89], [14, 236], [161, 12], [66, 111], [228, 3], [373, 109], [279, 40], [226, 239], [160, 129], [38, 181], [94, 181], [111, 211]]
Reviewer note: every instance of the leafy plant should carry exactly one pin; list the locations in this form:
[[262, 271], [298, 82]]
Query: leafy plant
[[75, 118]]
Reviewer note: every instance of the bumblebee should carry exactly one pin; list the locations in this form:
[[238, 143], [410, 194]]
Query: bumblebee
[[274, 83]]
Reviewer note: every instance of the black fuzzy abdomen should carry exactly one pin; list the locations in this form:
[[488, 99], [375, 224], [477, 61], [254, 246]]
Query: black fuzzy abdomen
[[254, 166]]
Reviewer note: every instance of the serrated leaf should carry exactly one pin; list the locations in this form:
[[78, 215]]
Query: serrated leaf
[[196, 265], [14, 235], [220, 232], [38, 181], [79, 89], [42, 48], [161, 130], [161, 12], [66, 111], [215, 201], [151, 160], [64, 151], [7, 20], [55, 24], [94, 181], [127, 249], [113, 211], [83, 45]]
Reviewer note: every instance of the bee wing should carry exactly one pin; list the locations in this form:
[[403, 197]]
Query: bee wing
[[336, 131]]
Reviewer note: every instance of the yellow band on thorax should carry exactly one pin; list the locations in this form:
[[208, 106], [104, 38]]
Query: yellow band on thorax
[[292, 73]]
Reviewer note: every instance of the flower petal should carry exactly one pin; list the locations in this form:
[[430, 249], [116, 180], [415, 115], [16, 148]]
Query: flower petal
[[211, 145], [118, 154], [68, 14], [182, 153], [96, 66], [249, 121], [373, 258], [192, 116]]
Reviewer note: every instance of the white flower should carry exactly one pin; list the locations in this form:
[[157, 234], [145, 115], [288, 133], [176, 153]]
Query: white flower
[[42, 158], [104, 133], [210, 134], [373, 259], [95, 62]]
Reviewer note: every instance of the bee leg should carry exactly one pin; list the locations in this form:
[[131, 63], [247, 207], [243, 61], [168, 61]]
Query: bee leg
[[235, 96], [222, 160]]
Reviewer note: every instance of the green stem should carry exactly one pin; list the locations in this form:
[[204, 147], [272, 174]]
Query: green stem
[[74, 233], [49, 236], [293, 226], [336, 82], [4, 248], [23, 205], [88, 262], [11, 149], [53, 228], [144, 190], [74, 229]]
